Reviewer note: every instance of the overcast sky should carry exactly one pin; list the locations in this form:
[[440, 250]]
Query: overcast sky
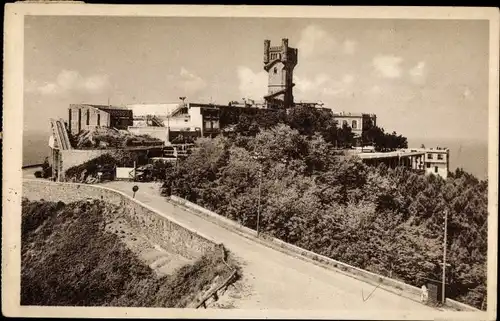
[[423, 79]]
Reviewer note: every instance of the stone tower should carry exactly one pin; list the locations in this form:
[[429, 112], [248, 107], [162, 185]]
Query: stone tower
[[279, 62]]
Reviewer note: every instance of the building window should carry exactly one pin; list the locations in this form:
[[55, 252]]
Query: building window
[[98, 119], [354, 124], [344, 123], [429, 156], [69, 119], [215, 124], [275, 70], [440, 156], [428, 165], [79, 120], [435, 169]]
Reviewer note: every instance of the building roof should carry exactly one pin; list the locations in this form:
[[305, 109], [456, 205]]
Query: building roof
[[388, 154]]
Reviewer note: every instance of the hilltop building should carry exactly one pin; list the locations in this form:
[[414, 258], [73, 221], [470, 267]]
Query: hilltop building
[[182, 122], [437, 160], [279, 62], [87, 117], [423, 160], [359, 122]]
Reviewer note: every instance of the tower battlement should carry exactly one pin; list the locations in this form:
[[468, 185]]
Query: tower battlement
[[279, 62]]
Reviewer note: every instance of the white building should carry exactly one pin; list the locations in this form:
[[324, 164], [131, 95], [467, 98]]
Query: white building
[[162, 120], [436, 160]]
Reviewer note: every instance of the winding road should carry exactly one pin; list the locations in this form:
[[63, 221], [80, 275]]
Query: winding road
[[272, 279], [275, 280]]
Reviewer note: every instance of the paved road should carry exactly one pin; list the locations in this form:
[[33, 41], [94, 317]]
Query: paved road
[[274, 280]]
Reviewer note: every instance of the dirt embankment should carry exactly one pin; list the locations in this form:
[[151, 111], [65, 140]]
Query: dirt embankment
[[84, 254]]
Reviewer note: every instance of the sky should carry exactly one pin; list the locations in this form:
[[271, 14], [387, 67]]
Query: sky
[[422, 78]]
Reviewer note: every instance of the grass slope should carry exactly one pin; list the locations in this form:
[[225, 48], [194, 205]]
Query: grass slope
[[69, 260]]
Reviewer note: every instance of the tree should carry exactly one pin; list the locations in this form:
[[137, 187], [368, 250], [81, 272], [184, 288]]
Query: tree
[[345, 137], [388, 221]]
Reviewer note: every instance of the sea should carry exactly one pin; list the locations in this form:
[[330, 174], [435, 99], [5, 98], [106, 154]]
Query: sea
[[472, 156]]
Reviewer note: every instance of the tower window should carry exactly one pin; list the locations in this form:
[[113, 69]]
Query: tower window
[[275, 70]]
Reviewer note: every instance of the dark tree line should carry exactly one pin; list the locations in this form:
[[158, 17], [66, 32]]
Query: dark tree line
[[307, 121], [383, 141]]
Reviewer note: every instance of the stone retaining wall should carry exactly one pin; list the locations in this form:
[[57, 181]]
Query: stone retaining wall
[[386, 283], [163, 230]]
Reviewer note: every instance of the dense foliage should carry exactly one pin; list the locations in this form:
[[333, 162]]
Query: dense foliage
[[389, 221], [383, 141], [308, 121], [104, 138], [68, 259]]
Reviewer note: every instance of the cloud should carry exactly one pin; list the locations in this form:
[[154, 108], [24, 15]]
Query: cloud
[[388, 66], [251, 84], [322, 86], [418, 73], [69, 81], [315, 41], [349, 46], [190, 82]]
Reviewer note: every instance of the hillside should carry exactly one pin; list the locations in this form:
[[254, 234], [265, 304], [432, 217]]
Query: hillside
[[382, 220], [69, 258]]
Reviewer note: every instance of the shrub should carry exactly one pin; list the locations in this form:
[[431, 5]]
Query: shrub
[[388, 221]]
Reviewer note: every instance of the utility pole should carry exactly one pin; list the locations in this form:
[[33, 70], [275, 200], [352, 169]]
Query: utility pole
[[258, 206], [259, 158], [443, 292]]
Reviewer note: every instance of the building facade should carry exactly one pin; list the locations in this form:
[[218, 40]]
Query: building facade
[[279, 62], [427, 161], [437, 161], [434, 160], [87, 117], [359, 122]]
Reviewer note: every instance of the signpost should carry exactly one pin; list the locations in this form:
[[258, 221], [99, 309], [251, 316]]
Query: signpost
[[135, 189]]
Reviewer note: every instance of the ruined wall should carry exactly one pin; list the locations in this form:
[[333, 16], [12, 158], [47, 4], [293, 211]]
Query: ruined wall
[[75, 157], [163, 230]]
